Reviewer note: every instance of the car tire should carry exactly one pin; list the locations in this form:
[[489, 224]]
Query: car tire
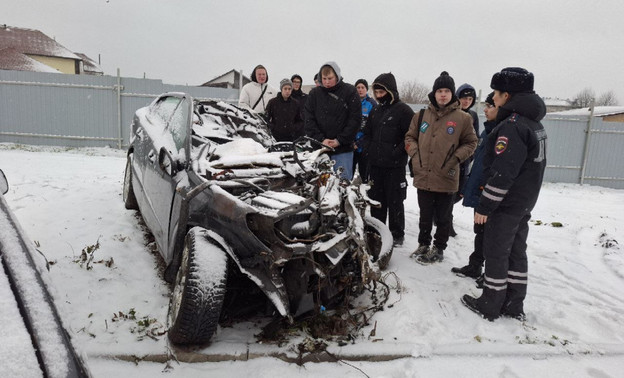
[[199, 290], [129, 198], [378, 241]]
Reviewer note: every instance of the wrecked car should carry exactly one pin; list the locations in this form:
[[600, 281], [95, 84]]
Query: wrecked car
[[225, 201]]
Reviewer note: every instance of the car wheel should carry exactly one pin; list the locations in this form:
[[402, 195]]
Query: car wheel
[[378, 241], [128, 191], [199, 291]]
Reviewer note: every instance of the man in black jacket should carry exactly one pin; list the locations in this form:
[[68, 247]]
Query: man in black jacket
[[514, 164], [333, 115], [283, 114], [384, 142]]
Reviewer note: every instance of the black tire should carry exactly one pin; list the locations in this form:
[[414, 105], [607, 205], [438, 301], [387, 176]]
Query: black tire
[[129, 198], [197, 297], [378, 241]]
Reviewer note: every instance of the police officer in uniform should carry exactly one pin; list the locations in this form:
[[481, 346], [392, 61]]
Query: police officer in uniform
[[514, 163]]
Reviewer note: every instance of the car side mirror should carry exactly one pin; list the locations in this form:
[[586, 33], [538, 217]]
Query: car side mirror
[[4, 184], [166, 162]]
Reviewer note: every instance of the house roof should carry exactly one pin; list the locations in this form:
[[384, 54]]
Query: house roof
[[599, 111], [89, 65], [220, 79], [11, 59], [32, 42]]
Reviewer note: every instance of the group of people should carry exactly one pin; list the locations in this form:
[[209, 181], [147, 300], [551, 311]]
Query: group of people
[[498, 172]]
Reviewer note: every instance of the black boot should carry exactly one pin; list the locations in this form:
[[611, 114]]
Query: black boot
[[472, 303], [467, 271]]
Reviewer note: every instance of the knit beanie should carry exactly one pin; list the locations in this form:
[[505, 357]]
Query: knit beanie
[[513, 80], [444, 81], [363, 82], [285, 82], [490, 99]]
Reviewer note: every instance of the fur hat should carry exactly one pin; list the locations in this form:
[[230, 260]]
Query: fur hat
[[490, 99], [285, 82], [444, 81], [513, 80], [363, 82]]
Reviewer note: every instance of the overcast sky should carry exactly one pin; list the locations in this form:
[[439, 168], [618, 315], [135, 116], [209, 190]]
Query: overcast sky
[[567, 44]]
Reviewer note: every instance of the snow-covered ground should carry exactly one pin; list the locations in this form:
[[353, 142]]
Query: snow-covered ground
[[69, 201]]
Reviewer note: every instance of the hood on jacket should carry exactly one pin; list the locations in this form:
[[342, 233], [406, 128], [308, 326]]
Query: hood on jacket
[[253, 74], [466, 90], [529, 105], [334, 66], [387, 82]]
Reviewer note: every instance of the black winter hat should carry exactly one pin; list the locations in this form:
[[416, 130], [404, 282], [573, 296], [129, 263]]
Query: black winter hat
[[296, 76], [490, 99], [466, 91], [444, 81], [512, 80], [362, 81]]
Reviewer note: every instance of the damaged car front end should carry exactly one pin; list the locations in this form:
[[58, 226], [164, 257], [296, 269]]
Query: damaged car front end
[[241, 203]]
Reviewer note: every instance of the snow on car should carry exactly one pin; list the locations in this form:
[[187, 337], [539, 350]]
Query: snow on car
[[227, 203]]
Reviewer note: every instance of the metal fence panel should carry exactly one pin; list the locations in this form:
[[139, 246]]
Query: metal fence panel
[[567, 136], [79, 110]]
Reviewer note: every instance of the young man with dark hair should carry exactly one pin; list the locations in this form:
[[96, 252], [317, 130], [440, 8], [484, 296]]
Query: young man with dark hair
[[437, 144], [514, 164], [384, 142], [333, 115]]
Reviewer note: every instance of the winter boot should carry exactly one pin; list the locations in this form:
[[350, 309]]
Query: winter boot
[[421, 250], [434, 255], [467, 271], [472, 304]]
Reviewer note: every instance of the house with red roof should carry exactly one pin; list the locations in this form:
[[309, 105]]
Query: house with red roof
[[31, 50]]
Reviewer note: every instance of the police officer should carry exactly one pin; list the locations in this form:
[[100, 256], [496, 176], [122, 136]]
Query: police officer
[[514, 163]]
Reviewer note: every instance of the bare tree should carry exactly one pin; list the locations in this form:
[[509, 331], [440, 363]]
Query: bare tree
[[413, 92], [584, 98], [607, 99]]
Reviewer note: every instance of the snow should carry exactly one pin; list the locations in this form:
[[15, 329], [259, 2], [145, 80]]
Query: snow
[[16, 349], [33, 298], [67, 200]]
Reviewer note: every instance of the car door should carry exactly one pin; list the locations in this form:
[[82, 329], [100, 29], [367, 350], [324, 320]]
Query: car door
[[166, 163]]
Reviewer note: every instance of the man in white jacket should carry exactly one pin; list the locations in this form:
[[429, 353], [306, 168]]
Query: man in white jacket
[[256, 95]]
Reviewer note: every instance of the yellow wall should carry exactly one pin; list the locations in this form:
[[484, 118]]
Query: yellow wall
[[64, 65], [614, 118]]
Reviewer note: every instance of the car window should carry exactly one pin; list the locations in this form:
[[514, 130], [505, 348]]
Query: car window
[[164, 108], [178, 125]]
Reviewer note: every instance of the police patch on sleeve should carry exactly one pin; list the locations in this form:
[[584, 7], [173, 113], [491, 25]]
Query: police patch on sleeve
[[501, 145]]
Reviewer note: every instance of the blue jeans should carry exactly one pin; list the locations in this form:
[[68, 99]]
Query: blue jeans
[[344, 160]]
